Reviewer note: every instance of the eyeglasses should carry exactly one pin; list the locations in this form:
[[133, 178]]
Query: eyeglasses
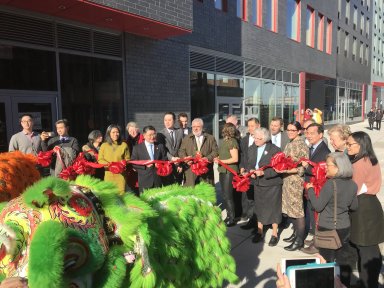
[[291, 130], [26, 121], [351, 144]]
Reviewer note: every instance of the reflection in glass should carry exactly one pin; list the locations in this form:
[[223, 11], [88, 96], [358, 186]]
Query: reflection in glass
[[329, 113], [229, 86], [27, 69], [203, 98], [92, 93], [3, 129], [252, 95], [41, 113]]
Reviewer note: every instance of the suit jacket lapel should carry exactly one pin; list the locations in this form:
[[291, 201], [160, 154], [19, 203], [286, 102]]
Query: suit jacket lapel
[[318, 148], [265, 154], [156, 152]]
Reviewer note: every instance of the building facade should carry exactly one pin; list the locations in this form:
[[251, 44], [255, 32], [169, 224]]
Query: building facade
[[101, 62], [376, 89]]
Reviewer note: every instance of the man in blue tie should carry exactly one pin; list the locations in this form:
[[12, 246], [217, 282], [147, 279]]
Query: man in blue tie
[[148, 150], [69, 146]]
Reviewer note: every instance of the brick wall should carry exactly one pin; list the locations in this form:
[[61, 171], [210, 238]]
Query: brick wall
[[157, 79], [174, 12]]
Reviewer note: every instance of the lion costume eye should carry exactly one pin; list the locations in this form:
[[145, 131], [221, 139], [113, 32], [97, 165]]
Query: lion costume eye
[[76, 255]]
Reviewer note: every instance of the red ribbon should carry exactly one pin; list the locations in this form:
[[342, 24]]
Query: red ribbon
[[164, 169], [44, 158], [318, 180], [117, 167]]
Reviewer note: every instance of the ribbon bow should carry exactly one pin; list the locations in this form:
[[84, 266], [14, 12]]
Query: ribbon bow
[[164, 169], [117, 167]]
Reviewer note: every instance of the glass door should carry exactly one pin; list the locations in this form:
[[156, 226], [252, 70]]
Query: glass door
[[228, 106], [42, 107]]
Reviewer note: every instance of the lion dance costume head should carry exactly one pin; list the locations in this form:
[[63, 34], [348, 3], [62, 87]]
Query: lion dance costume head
[[83, 234]]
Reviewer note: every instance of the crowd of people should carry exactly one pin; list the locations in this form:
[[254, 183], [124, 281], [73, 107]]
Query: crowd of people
[[275, 198]]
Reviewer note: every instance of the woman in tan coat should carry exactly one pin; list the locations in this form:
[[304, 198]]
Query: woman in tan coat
[[114, 150]]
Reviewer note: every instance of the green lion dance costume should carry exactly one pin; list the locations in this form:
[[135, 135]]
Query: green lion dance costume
[[83, 234]]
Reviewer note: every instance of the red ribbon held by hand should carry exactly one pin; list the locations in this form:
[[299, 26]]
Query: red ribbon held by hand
[[241, 183], [117, 167]]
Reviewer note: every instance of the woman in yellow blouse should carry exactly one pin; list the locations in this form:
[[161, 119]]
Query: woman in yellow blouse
[[114, 150]]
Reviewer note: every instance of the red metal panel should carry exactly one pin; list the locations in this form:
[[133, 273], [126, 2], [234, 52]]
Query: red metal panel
[[302, 93]]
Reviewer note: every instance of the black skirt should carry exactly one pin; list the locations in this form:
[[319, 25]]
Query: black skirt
[[268, 204], [367, 222]]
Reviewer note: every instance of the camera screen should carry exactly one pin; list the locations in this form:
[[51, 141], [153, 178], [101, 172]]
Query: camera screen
[[315, 278], [295, 262]]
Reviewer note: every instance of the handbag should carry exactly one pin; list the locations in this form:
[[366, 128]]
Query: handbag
[[329, 239]]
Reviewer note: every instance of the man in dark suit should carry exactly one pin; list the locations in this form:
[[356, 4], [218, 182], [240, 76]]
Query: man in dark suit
[[248, 163], [171, 138], [69, 146], [279, 138], [202, 143], [148, 150], [182, 118], [318, 152]]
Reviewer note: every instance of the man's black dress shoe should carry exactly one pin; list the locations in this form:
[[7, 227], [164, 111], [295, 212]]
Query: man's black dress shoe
[[273, 242], [249, 225], [230, 223]]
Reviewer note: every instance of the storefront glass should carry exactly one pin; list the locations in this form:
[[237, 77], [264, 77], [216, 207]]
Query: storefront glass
[[203, 98], [27, 69], [91, 93]]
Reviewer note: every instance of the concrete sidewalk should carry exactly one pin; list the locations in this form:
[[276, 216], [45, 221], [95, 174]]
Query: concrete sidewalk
[[256, 263]]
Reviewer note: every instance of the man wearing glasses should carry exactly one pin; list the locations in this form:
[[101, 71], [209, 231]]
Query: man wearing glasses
[[26, 141]]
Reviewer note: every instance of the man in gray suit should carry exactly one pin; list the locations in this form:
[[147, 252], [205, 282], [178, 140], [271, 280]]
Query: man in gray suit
[[279, 138], [171, 139]]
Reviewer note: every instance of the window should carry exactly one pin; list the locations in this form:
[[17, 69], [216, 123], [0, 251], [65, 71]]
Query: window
[[347, 11], [378, 46], [374, 65], [320, 32], [362, 18], [366, 54], [374, 42], [346, 44], [354, 18], [242, 9], [271, 15], [339, 33], [361, 52], [293, 19], [339, 9], [367, 28], [375, 20], [329, 37], [310, 27], [354, 49], [221, 5], [257, 15]]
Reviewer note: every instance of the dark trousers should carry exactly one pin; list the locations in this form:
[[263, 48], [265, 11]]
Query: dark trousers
[[310, 223], [227, 193], [341, 256], [369, 265], [371, 124], [248, 203], [378, 124]]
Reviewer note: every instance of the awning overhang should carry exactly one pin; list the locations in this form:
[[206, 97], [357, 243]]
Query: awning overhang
[[100, 16]]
